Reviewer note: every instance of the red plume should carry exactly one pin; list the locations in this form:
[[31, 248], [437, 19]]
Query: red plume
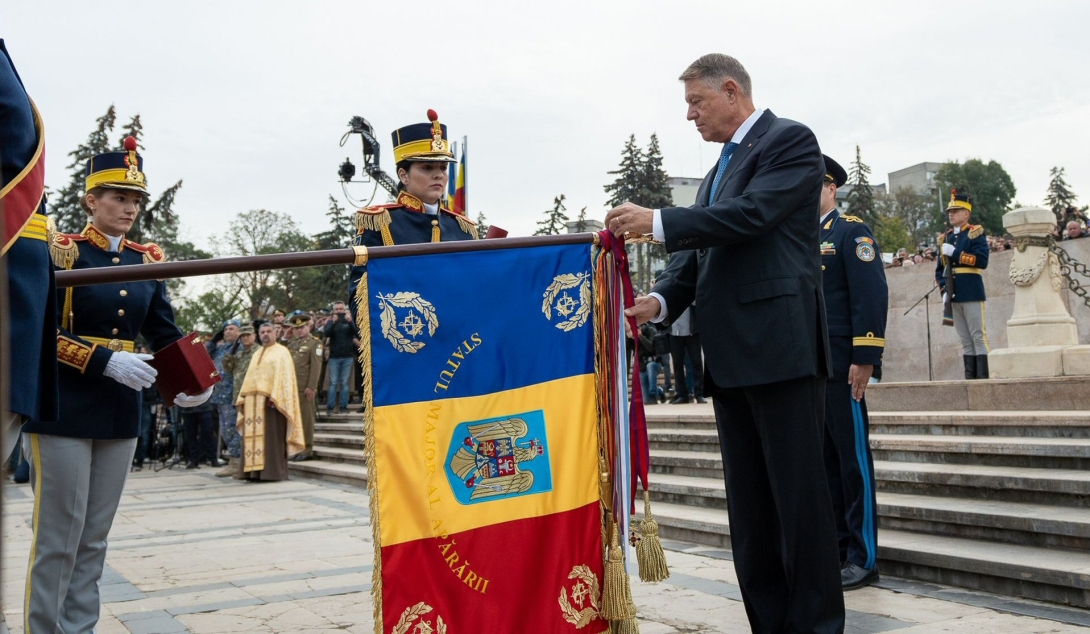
[[432, 115], [953, 192], [130, 143]]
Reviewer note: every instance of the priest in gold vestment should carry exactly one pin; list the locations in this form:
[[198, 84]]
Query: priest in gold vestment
[[268, 411]]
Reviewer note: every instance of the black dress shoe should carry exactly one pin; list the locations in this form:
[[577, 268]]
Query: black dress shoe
[[678, 400], [192, 465], [216, 462], [701, 399], [853, 577]]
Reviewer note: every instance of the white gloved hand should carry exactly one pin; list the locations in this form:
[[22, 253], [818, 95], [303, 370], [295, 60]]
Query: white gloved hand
[[944, 297], [129, 369], [947, 249], [184, 400]]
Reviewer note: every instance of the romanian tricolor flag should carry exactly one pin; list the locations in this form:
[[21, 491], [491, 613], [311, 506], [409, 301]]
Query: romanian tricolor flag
[[487, 453], [459, 204]]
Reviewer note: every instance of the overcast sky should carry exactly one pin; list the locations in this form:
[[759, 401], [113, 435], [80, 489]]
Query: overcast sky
[[247, 100]]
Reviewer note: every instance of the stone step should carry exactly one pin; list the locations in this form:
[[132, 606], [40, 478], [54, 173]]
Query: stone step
[[1020, 523], [684, 440], [340, 428], [684, 424], [707, 526], [349, 441], [1044, 574], [1044, 453], [340, 454], [700, 464], [1036, 424], [339, 472], [1062, 487], [1056, 393], [688, 490]]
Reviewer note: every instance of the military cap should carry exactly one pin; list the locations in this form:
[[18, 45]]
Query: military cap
[[298, 318], [959, 201], [423, 142], [834, 172], [248, 329], [117, 170]]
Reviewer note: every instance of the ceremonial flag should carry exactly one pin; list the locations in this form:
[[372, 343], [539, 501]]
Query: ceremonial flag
[[486, 444], [460, 182]]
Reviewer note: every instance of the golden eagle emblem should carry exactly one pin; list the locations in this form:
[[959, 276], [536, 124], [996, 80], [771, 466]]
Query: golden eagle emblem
[[569, 296], [493, 460]]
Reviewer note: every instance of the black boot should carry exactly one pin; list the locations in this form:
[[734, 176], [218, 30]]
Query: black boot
[[981, 366], [970, 366]]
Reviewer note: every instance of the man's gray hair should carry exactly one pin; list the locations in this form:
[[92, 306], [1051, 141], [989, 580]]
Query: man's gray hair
[[715, 68]]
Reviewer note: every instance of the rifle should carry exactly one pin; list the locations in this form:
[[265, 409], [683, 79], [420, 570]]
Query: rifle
[[948, 303]]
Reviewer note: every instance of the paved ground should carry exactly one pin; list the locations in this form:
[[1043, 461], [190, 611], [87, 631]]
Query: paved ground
[[193, 553]]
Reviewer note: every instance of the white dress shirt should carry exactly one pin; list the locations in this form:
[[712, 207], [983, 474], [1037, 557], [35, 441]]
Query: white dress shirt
[[657, 231]]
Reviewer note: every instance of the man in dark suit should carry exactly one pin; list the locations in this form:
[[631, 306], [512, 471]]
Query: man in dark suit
[[747, 252]]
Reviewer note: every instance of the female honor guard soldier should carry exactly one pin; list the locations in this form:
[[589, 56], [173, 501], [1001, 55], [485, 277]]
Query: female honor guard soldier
[[421, 152], [965, 250], [856, 300], [79, 463]]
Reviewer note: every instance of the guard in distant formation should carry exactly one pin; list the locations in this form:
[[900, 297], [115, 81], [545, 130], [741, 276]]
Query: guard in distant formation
[[306, 352], [421, 152], [959, 273], [856, 300], [79, 463], [24, 245]]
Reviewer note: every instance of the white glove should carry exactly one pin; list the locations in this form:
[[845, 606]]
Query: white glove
[[944, 297], [947, 249], [183, 400], [129, 369]]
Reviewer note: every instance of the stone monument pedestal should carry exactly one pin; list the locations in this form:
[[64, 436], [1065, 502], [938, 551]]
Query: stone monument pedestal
[[1042, 335]]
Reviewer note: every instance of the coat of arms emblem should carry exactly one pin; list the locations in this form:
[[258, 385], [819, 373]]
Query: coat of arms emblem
[[405, 318], [583, 606], [569, 296], [499, 458], [415, 619]]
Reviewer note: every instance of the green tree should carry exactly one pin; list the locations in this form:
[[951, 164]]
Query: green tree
[[915, 211], [890, 227], [988, 183], [482, 224], [64, 206], [210, 309], [555, 220], [581, 220], [861, 199], [628, 186], [261, 232], [656, 192], [1059, 196], [331, 282]]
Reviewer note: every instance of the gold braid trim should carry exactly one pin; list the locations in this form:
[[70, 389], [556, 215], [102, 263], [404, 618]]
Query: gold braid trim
[[63, 251], [467, 226], [363, 318], [372, 219]]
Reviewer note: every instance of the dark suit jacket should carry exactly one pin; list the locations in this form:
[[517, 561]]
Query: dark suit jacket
[[751, 260]]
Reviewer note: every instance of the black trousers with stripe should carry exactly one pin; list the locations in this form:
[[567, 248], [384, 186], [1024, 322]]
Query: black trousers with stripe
[[849, 468]]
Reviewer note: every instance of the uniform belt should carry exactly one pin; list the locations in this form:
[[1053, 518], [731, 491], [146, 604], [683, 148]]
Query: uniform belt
[[117, 345], [966, 269], [37, 228]]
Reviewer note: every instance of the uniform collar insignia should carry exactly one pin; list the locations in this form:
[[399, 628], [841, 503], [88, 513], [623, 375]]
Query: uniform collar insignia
[[407, 200], [99, 239]]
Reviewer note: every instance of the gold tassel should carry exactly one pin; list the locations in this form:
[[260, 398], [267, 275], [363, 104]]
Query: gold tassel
[[372, 220], [649, 552], [627, 626], [435, 231], [615, 604]]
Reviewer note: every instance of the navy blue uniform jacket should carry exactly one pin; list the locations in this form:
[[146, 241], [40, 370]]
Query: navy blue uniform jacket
[[92, 404], [970, 259], [856, 295], [750, 259]]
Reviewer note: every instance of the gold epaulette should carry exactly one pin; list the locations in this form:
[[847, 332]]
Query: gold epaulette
[[464, 223], [63, 249], [852, 218], [152, 252], [975, 231], [376, 218]]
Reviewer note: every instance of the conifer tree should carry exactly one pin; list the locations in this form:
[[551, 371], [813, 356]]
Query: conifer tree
[[861, 200], [555, 220], [482, 224], [628, 186], [581, 221], [332, 281], [1059, 196], [64, 206], [656, 190]]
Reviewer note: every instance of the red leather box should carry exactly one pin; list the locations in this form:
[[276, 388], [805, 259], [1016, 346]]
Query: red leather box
[[184, 367]]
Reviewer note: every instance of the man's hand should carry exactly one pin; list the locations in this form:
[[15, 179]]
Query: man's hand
[[131, 370], [644, 310], [309, 394], [947, 249], [858, 377], [632, 219]]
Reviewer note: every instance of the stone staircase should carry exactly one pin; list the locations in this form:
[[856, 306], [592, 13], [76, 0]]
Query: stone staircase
[[972, 492]]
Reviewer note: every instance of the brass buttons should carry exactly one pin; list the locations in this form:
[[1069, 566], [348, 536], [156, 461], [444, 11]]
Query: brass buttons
[[435, 223], [124, 292], [114, 331], [121, 312], [116, 260]]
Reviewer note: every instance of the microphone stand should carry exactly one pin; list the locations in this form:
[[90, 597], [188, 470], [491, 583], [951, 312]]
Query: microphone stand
[[927, 315]]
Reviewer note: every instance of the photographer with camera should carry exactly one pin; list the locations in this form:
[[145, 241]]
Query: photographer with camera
[[342, 339]]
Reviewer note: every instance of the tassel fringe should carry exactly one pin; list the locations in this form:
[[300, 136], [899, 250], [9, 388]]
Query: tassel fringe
[[363, 320], [616, 605], [367, 220], [649, 551]]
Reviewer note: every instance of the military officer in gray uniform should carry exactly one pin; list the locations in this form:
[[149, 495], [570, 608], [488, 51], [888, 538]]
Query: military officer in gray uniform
[[79, 463], [306, 352]]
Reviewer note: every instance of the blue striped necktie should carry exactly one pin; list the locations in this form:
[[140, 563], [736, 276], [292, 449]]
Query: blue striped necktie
[[724, 158]]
